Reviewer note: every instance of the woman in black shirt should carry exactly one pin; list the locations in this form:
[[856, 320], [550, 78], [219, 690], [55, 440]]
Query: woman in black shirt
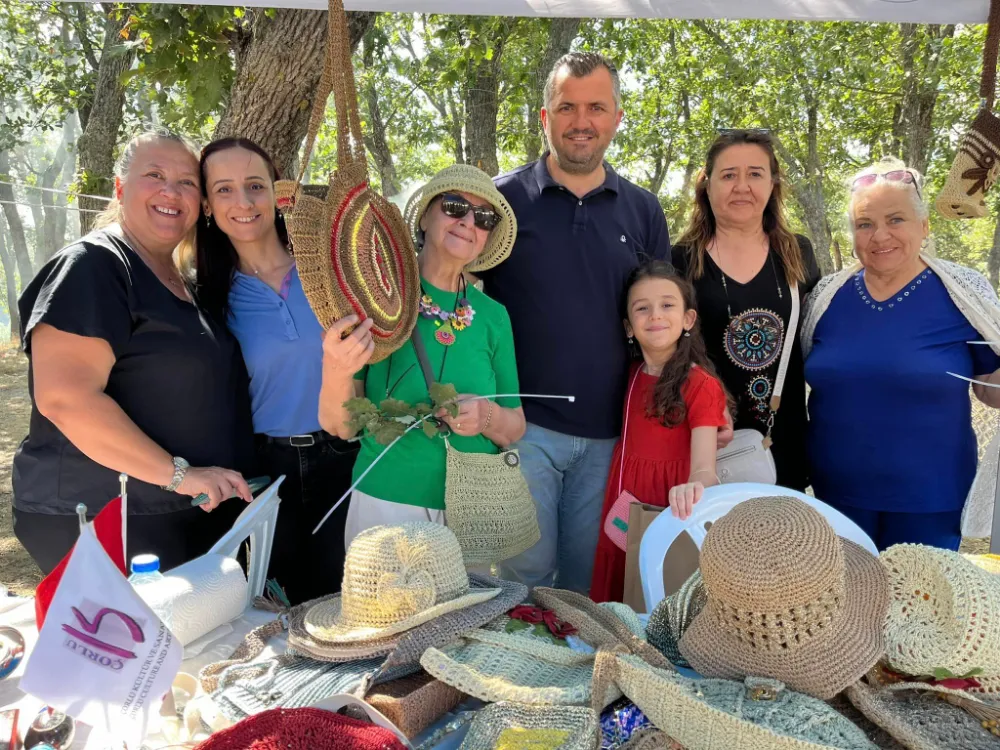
[[741, 256], [127, 375]]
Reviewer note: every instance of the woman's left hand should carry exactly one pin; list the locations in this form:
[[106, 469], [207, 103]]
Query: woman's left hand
[[683, 497], [472, 416]]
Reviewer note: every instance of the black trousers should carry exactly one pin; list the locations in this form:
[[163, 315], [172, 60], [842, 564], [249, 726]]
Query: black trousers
[[308, 566], [173, 537]]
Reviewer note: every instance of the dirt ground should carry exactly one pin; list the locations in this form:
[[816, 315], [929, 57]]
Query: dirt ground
[[17, 571]]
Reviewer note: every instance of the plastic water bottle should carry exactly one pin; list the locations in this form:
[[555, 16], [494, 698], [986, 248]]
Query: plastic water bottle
[[145, 575]]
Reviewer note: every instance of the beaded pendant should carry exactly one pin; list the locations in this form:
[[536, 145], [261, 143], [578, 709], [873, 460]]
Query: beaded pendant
[[447, 322]]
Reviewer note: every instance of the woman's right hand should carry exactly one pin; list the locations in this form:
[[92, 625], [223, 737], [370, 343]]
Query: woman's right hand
[[218, 484], [347, 355]]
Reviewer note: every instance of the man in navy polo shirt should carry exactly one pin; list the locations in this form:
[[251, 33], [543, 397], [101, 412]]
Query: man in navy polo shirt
[[581, 229]]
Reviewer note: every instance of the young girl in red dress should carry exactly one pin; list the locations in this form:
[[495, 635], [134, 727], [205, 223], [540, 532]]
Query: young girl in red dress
[[674, 405]]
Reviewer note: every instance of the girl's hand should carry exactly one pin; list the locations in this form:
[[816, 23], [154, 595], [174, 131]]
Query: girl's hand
[[347, 355], [683, 497], [472, 416]]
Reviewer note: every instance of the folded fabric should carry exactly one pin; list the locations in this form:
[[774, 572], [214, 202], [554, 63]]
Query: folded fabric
[[712, 714], [619, 722], [509, 667], [511, 726]]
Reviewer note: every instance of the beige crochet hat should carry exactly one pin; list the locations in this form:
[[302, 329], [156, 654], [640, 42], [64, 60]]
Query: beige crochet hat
[[511, 726], [464, 178], [395, 578], [786, 598], [944, 613]]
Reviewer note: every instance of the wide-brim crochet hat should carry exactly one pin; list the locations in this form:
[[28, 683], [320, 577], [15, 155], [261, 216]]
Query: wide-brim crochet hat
[[714, 714], [788, 599], [464, 178], [302, 729], [513, 726], [517, 667], [922, 719], [395, 578], [944, 613]]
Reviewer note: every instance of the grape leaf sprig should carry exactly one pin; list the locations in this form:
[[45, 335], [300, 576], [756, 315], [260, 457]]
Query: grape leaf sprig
[[392, 416]]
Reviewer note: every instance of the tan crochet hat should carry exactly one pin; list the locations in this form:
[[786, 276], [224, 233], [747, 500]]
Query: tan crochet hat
[[464, 178], [395, 578], [786, 598], [512, 726], [944, 613]]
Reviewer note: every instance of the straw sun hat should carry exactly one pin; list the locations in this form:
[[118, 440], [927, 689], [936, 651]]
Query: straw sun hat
[[786, 598], [464, 178], [395, 578], [944, 613]]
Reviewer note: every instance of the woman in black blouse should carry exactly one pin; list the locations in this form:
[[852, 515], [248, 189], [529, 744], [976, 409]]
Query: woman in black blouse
[[127, 375], [741, 256]]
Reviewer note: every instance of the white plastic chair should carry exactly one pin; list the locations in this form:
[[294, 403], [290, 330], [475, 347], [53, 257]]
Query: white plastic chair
[[686, 537], [257, 522]]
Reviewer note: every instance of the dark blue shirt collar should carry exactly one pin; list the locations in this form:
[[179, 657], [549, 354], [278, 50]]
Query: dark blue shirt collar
[[546, 180]]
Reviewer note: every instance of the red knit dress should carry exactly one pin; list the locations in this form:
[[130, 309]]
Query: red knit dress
[[656, 459]]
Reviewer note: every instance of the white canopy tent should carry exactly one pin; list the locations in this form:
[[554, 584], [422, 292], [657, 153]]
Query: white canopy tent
[[899, 11]]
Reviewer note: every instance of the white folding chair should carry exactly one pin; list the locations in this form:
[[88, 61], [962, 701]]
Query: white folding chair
[[669, 551], [256, 523]]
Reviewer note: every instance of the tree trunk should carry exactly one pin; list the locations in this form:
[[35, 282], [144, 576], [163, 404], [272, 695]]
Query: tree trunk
[[562, 32], [993, 261], [482, 104], [18, 238], [96, 146], [376, 140], [10, 279], [454, 110], [808, 190], [272, 96], [56, 212]]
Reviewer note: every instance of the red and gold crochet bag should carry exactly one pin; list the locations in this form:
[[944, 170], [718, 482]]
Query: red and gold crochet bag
[[352, 248]]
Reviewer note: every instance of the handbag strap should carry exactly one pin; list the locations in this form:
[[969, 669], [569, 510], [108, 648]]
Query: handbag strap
[[421, 351], [987, 84], [628, 408], [786, 356], [338, 77]]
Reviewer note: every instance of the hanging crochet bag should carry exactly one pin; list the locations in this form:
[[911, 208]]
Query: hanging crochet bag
[[977, 163], [487, 502], [352, 248]]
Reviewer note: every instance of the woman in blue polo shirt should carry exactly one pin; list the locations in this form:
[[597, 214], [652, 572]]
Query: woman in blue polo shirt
[[890, 431], [247, 277]]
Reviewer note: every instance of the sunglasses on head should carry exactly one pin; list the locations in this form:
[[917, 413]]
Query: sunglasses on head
[[744, 131], [455, 206], [896, 175]]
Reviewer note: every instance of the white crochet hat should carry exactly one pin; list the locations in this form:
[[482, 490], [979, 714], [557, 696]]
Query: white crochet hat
[[944, 613], [395, 578]]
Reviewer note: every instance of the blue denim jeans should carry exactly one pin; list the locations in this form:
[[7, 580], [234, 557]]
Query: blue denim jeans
[[567, 476]]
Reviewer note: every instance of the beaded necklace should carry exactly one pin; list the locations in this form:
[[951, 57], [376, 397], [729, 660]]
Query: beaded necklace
[[448, 322]]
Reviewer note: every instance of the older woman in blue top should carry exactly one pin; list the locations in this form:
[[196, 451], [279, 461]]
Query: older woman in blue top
[[890, 431], [247, 277]]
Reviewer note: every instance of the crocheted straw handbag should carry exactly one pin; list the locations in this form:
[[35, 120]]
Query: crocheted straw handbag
[[650, 739], [353, 250], [414, 703], [712, 714], [977, 161], [512, 726], [787, 599], [486, 497], [671, 618], [944, 613], [302, 729]]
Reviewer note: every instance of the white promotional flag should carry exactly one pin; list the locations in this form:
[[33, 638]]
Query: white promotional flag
[[102, 656]]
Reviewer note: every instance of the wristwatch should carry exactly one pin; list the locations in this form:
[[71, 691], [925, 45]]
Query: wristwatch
[[180, 469]]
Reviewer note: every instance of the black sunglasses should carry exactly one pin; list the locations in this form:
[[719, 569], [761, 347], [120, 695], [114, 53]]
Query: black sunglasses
[[747, 131], [456, 207]]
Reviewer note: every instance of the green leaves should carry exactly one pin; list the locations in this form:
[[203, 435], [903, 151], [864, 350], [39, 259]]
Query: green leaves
[[392, 416]]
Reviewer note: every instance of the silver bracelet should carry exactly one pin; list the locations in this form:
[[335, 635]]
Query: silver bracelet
[[180, 469]]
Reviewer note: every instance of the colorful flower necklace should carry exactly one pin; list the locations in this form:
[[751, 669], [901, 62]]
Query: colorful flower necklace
[[447, 321]]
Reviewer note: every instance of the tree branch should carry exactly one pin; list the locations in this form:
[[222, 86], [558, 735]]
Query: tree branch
[[81, 31]]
